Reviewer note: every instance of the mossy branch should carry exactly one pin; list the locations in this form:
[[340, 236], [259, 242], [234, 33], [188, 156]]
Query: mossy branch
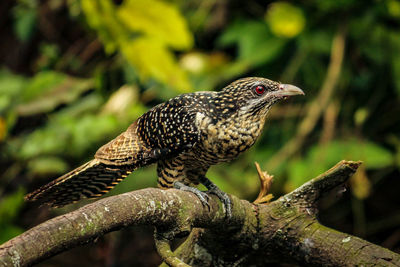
[[283, 231]]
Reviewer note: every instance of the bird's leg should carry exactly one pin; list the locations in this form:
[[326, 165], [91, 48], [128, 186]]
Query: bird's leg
[[214, 189], [200, 194]]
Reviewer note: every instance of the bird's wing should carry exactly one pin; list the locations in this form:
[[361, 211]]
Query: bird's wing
[[166, 130], [125, 149]]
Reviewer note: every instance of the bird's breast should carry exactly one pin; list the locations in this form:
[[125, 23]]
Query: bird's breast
[[226, 139]]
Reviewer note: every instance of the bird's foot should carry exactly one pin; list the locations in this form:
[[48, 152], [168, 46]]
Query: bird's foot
[[200, 194], [214, 189], [224, 198]]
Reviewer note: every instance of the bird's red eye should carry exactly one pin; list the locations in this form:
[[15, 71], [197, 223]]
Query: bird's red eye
[[259, 89]]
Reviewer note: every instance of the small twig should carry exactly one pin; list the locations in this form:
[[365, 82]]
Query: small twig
[[266, 183], [164, 250], [329, 123]]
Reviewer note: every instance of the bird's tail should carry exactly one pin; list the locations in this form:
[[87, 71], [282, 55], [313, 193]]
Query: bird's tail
[[91, 180]]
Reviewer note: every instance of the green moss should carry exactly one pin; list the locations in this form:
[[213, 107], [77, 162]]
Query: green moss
[[158, 204], [280, 211], [90, 223]]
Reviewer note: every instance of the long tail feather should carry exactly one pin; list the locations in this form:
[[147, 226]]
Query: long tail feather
[[91, 180]]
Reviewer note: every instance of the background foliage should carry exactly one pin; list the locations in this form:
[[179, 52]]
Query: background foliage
[[75, 73]]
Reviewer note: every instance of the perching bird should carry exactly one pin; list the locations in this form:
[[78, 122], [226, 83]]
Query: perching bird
[[184, 136]]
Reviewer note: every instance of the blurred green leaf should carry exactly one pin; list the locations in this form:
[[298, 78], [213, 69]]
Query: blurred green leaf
[[10, 205], [101, 16], [322, 157], [41, 83], [375, 49], [255, 42], [65, 135], [143, 31], [9, 231], [47, 165], [55, 137], [25, 16], [332, 6], [60, 89], [89, 130], [394, 38], [373, 155], [318, 42], [155, 60], [49, 56], [361, 25], [144, 16], [141, 178], [45, 91], [88, 104], [298, 173], [78, 127], [10, 87], [48, 140], [11, 84]]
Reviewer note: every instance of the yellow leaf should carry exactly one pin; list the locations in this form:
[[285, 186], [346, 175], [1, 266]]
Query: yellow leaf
[[285, 20], [159, 20], [100, 15], [393, 7], [153, 59], [142, 30]]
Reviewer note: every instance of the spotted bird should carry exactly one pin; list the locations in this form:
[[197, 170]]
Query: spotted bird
[[184, 136]]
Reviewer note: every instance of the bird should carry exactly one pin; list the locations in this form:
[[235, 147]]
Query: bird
[[184, 136]]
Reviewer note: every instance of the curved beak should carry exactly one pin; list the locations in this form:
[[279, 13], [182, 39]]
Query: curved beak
[[288, 90]]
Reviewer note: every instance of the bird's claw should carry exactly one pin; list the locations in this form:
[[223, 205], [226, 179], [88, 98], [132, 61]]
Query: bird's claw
[[214, 189], [202, 196], [226, 201]]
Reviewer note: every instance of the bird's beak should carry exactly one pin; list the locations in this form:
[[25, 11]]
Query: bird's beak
[[288, 90]]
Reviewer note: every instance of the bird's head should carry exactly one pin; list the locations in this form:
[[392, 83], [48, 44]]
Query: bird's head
[[256, 95]]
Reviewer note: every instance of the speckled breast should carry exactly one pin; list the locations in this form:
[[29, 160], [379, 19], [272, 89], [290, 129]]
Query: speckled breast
[[225, 140]]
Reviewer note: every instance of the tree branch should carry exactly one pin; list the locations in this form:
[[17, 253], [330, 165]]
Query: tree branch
[[284, 230]]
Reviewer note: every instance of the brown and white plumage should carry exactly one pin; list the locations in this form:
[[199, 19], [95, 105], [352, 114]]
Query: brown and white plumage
[[184, 136]]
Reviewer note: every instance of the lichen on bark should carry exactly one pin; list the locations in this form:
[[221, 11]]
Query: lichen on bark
[[285, 230]]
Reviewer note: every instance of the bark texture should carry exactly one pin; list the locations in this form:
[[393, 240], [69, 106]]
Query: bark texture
[[285, 230]]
